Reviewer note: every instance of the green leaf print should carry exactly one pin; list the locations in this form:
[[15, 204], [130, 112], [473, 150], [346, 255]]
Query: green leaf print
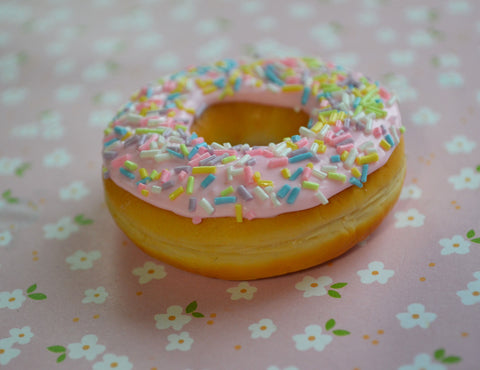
[[341, 332], [61, 358], [329, 324], [334, 294], [451, 360], [197, 314], [31, 288], [82, 220], [37, 296], [20, 170], [7, 195], [191, 307], [470, 234], [439, 354], [476, 240], [338, 285], [57, 349]]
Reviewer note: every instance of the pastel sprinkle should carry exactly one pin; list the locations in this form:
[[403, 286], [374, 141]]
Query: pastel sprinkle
[[192, 204], [277, 162], [260, 193], [239, 212], [131, 166], [227, 191], [207, 181], [176, 193], [369, 158], [207, 207], [310, 185], [286, 173], [385, 145], [355, 172], [297, 173], [282, 193], [229, 159], [127, 173], [292, 197], [363, 177], [335, 159], [190, 184], [204, 169], [300, 157], [224, 200], [356, 182], [337, 176], [244, 193]]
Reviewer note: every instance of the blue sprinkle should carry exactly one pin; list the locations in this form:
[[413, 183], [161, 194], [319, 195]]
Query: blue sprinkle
[[305, 95], [311, 122], [297, 173], [328, 95], [389, 139], [170, 105], [109, 142], [356, 102], [178, 74], [202, 70], [207, 180], [173, 96], [219, 82], [271, 75], [355, 181], [292, 197], [363, 177], [149, 92], [119, 130], [335, 158], [237, 84], [193, 136], [295, 138], [146, 180], [174, 153], [300, 157], [224, 200], [192, 152], [282, 193], [127, 173]]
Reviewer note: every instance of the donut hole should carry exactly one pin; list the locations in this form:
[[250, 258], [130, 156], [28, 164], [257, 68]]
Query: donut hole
[[245, 122]]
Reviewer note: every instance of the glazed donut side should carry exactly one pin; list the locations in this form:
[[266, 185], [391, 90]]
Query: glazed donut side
[[263, 247]]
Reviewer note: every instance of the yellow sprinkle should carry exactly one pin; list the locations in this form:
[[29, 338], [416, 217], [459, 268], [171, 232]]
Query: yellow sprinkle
[[126, 136], [154, 175], [385, 145], [265, 183], [257, 177], [204, 169], [134, 96], [172, 113], [322, 148], [355, 172], [317, 126], [190, 111], [292, 88], [229, 159], [310, 185], [286, 173], [344, 155], [178, 103], [238, 212], [143, 111], [143, 173], [309, 165], [369, 158], [129, 165], [145, 192], [176, 193], [292, 145], [209, 89], [258, 83], [142, 99], [337, 176]]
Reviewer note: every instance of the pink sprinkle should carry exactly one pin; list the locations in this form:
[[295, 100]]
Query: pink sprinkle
[[277, 162], [197, 140], [330, 65], [257, 151], [195, 161], [165, 176], [328, 136], [302, 142], [182, 175], [289, 62], [147, 143], [338, 126], [196, 220], [118, 162], [109, 137], [325, 103], [341, 77], [250, 215], [141, 186], [144, 121], [339, 138], [169, 85], [267, 153], [384, 94], [248, 174], [307, 171], [225, 151], [342, 148], [377, 132], [202, 150]]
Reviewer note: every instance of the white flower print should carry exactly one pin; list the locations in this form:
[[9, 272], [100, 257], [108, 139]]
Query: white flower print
[[87, 348], [402, 57], [455, 245], [450, 79], [9, 165], [148, 272], [68, 93], [411, 218], [375, 273], [27, 131], [242, 291], [467, 179], [14, 95], [460, 144], [58, 158], [312, 338], [7, 353], [98, 118], [471, 295], [458, 7], [12, 300], [416, 316], [5, 238], [312, 287], [420, 38], [263, 329], [425, 116], [417, 14], [411, 192], [61, 230], [111, 361], [75, 191], [423, 361], [181, 341], [21, 335], [97, 296], [172, 319], [81, 260]]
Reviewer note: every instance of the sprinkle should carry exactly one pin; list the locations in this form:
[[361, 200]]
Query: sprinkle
[[229, 159], [192, 204], [260, 193], [292, 88], [369, 158], [335, 159], [167, 185], [292, 197], [224, 200], [286, 173], [207, 207], [244, 193], [175, 153], [190, 183], [184, 150], [162, 157], [350, 160], [156, 189], [389, 139], [363, 178], [282, 193], [319, 174], [337, 176], [385, 145], [297, 173], [207, 181], [300, 157], [305, 95], [307, 132], [248, 174], [356, 182], [150, 153], [127, 173], [329, 168], [238, 212], [355, 172], [227, 191], [143, 173], [277, 162], [204, 169], [145, 192], [131, 166], [310, 185], [176, 193]]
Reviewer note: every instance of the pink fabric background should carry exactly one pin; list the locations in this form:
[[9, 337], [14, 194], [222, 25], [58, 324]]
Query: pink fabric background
[[66, 66]]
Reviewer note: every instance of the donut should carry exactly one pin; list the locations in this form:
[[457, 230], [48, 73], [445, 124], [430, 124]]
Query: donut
[[246, 169]]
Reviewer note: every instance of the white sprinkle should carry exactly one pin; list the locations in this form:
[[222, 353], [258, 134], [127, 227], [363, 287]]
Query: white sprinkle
[[156, 189], [321, 197], [162, 157], [307, 132], [207, 207], [152, 153], [260, 193], [319, 174], [350, 160]]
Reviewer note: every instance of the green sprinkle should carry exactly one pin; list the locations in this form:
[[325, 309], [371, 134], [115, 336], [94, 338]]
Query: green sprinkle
[[229, 159], [190, 182], [132, 166], [143, 130], [227, 191], [184, 150], [310, 185]]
